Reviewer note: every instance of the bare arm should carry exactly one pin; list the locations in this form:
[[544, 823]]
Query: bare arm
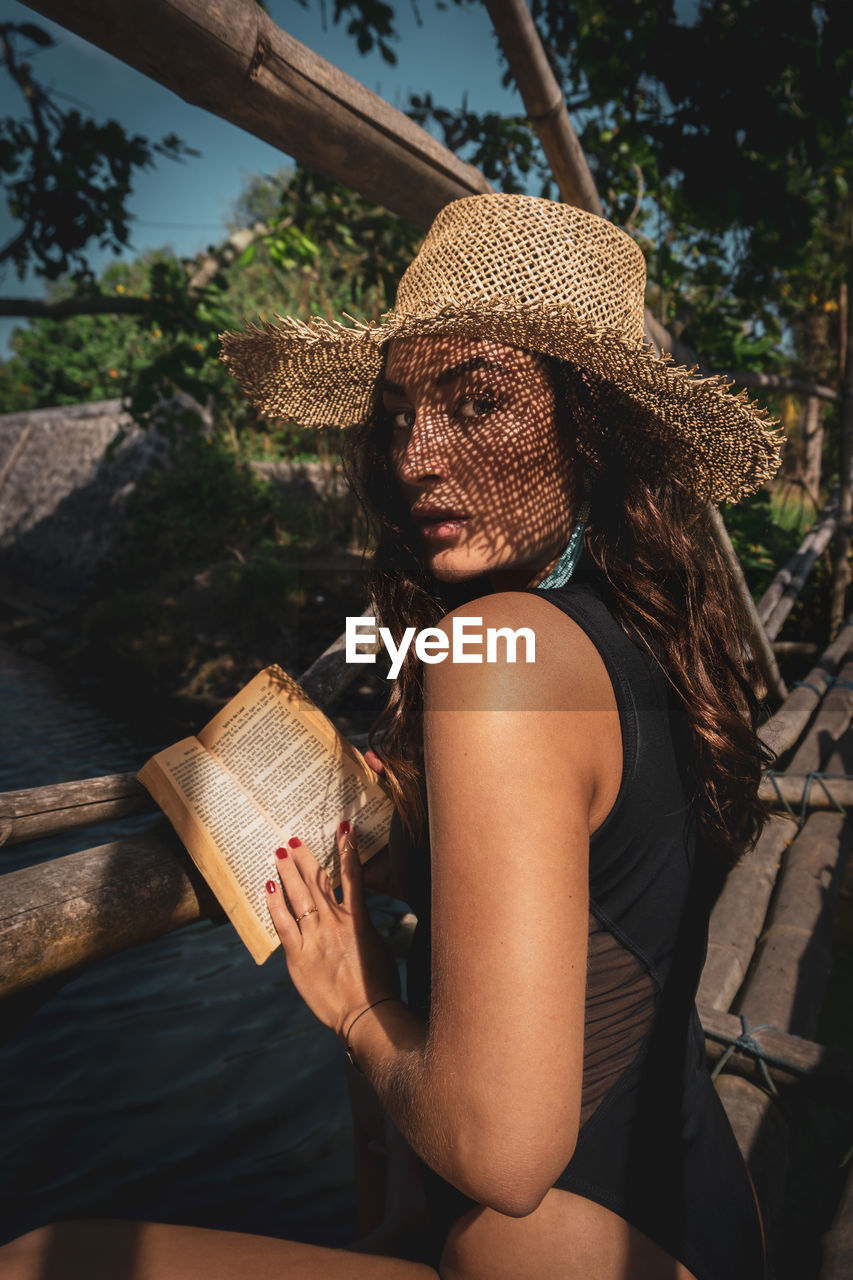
[[489, 1093]]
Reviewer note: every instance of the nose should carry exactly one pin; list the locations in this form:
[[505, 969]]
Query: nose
[[423, 456]]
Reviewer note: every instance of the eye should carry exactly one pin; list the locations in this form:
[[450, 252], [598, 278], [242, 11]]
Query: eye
[[401, 419], [476, 406]]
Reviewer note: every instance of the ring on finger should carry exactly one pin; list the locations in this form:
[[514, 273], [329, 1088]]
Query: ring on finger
[[309, 912]]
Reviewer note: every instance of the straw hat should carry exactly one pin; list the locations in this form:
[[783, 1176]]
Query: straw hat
[[548, 278]]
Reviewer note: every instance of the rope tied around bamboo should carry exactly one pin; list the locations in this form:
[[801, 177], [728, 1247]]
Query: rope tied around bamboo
[[814, 776], [746, 1043]]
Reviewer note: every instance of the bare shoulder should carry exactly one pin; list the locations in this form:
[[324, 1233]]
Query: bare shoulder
[[517, 650]]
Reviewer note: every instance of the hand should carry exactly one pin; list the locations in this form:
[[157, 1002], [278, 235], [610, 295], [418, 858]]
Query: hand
[[337, 960]]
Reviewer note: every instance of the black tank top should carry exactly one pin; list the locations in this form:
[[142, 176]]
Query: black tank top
[[655, 1145]]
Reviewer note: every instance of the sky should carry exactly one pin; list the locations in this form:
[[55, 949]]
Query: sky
[[186, 206]]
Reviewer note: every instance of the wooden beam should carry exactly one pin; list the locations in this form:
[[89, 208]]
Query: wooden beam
[[790, 789], [791, 966], [761, 647], [65, 806], [229, 57], [789, 1059], [738, 917], [544, 102], [61, 915], [783, 729], [779, 598]]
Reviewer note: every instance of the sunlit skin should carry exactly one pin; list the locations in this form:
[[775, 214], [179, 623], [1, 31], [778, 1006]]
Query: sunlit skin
[[474, 433]]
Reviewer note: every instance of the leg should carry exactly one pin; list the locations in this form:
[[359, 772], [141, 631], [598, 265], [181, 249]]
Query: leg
[[155, 1251], [566, 1238]]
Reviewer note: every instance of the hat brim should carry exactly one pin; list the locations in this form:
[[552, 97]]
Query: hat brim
[[718, 443]]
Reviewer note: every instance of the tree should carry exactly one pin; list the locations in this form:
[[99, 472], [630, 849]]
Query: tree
[[67, 178], [324, 251]]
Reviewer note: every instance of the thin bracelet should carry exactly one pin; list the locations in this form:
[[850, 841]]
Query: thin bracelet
[[350, 1055]]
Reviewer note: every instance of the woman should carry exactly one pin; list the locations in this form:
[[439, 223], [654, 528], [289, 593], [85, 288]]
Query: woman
[[562, 824]]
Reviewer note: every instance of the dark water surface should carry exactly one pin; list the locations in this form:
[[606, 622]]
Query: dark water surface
[[176, 1082]]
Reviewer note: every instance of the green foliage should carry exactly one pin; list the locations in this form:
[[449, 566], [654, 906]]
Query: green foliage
[[369, 22], [762, 540], [327, 251], [201, 591], [84, 358], [67, 178]]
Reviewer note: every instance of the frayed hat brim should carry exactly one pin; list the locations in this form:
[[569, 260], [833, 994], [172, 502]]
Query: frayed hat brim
[[719, 444]]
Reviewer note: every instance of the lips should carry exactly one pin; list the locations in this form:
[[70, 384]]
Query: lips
[[439, 524], [436, 515]]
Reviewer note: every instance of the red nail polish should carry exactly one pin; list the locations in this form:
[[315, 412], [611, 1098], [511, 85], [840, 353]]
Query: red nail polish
[[270, 886], [345, 828], [281, 853], [295, 842]]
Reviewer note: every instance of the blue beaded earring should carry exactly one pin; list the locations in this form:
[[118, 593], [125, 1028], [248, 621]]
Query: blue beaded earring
[[567, 563]]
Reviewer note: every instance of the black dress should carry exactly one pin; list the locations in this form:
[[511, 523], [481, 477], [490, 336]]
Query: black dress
[[655, 1145]]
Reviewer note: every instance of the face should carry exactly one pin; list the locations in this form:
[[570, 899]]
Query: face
[[478, 453]]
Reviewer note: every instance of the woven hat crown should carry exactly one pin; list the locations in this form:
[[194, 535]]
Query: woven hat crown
[[521, 248]]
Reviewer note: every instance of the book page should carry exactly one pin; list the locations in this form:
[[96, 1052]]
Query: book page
[[231, 842], [298, 769]]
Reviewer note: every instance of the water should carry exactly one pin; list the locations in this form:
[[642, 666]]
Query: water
[[177, 1082]]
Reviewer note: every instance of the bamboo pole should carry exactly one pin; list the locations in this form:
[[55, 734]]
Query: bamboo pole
[[331, 673], [779, 598], [830, 724], [739, 913], [762, 649], [61, 915], [788, 978], [783, 729], [233, 60], [80, 904], [738, 917], [37, 812], [544, 102], [789, 1060], [794, 648], [790, 790], [65, 806]]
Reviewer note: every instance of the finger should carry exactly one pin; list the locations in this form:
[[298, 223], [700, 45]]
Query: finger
[[312, 872], [288, 930], [299, 895], [352, 879]]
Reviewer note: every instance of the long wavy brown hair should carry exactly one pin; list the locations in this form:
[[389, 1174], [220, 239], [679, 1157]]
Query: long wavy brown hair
[[659, 571]]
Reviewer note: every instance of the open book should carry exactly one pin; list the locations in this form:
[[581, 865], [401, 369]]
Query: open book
[[267, 767]]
